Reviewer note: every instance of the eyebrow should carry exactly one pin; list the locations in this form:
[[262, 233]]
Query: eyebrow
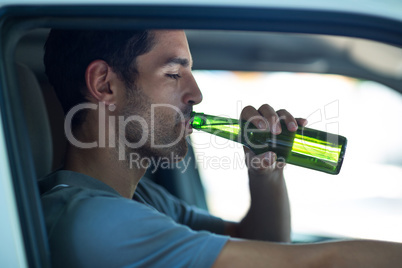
[[176, 60]]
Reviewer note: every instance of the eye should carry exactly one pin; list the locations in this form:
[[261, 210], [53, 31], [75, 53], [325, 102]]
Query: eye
[[174, 76]]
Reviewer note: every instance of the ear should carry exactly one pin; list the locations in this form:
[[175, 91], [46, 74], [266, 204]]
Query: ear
[[99, 77]]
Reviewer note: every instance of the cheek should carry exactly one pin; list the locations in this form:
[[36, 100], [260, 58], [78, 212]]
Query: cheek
[[166, 89], [165, 114], [169, 99], [162, 91]]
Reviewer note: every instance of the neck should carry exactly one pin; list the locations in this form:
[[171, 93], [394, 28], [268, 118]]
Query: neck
[[103, 164]]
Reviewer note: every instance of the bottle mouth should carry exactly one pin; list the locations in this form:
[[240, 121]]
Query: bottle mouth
[[196, 120]]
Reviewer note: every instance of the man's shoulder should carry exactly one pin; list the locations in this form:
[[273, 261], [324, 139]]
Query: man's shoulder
[[97, 228], [71, 179], [66, 204], [66, 193], [106, 231], [73, 197]]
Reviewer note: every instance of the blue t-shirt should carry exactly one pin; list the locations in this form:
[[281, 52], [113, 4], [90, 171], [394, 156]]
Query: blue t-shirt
[[90, 225]]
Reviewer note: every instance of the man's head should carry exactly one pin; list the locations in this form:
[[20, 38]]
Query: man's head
[[169, 91], [143, 74], [69, 52]]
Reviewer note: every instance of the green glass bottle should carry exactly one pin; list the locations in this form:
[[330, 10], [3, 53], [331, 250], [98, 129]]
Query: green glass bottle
[[306, 147]]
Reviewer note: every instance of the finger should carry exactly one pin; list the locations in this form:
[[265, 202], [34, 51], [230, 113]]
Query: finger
[[302, 122], [262, 163], [251, 115], [267, 161], [248, 151], [289, 120], [272, 117]]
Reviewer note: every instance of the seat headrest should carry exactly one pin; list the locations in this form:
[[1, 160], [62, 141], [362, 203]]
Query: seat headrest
[[36, 119]]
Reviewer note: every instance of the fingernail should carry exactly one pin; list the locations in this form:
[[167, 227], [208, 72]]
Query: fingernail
[[270, 157], [292, 126], [277, 129], [262, 125]]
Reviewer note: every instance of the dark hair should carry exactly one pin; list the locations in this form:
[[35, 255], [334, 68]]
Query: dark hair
[[69, 52]]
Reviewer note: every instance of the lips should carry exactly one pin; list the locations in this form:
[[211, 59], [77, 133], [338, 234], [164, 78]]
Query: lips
[[187, 126], [186, 120]]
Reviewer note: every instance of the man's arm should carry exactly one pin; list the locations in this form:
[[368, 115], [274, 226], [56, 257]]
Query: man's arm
[[269, 215], [238, 253]]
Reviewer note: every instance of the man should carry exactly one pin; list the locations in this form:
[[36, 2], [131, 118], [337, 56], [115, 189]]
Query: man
[[131, 93]]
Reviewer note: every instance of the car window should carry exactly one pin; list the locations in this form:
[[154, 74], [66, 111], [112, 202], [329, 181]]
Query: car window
[[363, 201]]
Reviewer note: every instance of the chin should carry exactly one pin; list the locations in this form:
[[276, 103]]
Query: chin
[[174, 153], [179, 151]]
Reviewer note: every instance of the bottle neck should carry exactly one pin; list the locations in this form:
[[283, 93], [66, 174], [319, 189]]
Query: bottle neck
[[227, 128]]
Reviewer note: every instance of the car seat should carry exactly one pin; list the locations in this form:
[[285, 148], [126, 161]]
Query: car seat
[[37, 120]]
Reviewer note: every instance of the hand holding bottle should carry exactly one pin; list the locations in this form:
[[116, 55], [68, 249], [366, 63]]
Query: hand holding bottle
[[267, 119]]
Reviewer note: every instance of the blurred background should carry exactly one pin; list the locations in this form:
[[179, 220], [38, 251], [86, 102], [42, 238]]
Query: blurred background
[[363, 201]]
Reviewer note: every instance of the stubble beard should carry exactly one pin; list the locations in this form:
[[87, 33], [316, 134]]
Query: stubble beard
[[163, 132]]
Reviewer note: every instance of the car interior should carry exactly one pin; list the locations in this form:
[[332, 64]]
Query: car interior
[[217, 53]]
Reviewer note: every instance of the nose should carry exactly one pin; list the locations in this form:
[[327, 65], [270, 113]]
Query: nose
[[193, 93]]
